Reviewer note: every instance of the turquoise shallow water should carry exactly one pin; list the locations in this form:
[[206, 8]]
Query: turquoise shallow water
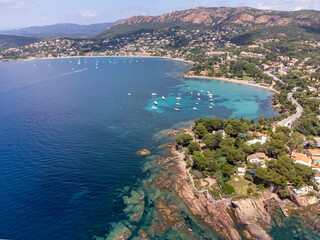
[[69, 133]]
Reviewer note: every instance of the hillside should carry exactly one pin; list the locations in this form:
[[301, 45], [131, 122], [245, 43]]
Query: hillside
[[233, 21], [60, 30], [8, 41]]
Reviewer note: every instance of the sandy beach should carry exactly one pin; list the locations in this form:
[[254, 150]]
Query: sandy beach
[[244, 82]]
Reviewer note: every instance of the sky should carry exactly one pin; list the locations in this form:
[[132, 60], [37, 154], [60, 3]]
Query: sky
[[24, 13]]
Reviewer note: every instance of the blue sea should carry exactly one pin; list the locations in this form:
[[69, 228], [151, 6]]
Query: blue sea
[[69, 133]]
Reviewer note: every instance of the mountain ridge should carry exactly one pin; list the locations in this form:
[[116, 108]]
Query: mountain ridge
[[240, 18], [62, 30]]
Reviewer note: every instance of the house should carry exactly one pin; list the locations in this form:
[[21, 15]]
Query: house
[[314, 154], [252, 55], [204, 73], [302, 159], [258, 157], [241, 171]]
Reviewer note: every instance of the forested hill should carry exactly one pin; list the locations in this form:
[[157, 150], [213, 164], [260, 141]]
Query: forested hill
[[61, 30], [8, 41], [235, 22]]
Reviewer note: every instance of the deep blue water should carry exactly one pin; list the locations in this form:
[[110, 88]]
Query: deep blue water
[[69, 134]]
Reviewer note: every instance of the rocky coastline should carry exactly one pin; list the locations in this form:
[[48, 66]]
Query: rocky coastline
[[254, 214]]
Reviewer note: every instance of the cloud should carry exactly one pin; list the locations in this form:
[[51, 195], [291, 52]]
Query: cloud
[[16, 4], [83, 13], [289, 4]]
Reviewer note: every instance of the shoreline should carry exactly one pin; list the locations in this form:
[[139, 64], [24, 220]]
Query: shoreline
[[243, 82], [105, 56]]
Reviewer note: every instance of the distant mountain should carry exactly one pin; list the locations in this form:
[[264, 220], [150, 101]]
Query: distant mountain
[[9, 41], [234, 21], [67, 30]]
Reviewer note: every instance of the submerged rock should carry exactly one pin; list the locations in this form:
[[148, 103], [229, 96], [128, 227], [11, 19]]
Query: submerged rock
[[143, 152], [120, 232]]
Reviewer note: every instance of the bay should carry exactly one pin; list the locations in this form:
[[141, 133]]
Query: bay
[[69, 133]]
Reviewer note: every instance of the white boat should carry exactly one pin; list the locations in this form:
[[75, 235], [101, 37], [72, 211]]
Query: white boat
[[154, 94], [197, 103], [198, 94], [129, 94], [79, 62], [177, 103], [201, 90], [176, 109], [211, 100], [199, 99], [154, 108], [211, 103], [191, 92], [210, 96], [163, 98], [96, 67], [34, 65], [155, 102], [178, 98], [210, 107], [208, 92], [194, 108]]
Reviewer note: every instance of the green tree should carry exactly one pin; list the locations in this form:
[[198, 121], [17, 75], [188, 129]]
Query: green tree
[[184, 139], [234, 155], [193, 147], [199, 161], [200, 131]]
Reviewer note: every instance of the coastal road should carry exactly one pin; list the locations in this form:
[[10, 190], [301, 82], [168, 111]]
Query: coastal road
[[289, 120], [274, 77]]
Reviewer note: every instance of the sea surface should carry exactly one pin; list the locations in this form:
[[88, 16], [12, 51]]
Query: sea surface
[[69, 133]]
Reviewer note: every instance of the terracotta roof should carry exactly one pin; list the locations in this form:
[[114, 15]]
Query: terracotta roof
[[303, 158], [314, 151], [252, 156], [261, 155], [257, 155]]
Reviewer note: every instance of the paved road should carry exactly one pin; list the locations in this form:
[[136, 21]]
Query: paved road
[[274, 77], [289, 120]]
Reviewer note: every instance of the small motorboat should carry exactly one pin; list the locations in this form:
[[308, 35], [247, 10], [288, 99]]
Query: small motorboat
[[154, 94], [129, 94], [154, 108], [178, 98], [198, 94], [155, 103], [199, 99], [210, 107], [177, 103], [194, 108], [176, 109], [163, 98], [197, 103]]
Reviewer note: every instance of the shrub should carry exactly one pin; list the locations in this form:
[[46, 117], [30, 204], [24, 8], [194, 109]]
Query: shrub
[[248, 177], [283, 193], [227, 188], [215, 193], [261, 187], [250, 191]]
